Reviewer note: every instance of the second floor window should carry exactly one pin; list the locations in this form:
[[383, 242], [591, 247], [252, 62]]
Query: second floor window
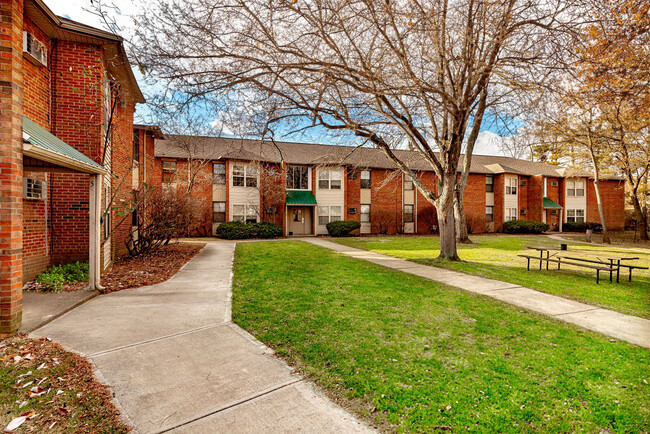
[[244, 176], [136, 146], [408, 184], [219, 174], [511, 186], [575, 188], [297, 178], [329, 179], [365, 179], [169, 171], [489, 184]]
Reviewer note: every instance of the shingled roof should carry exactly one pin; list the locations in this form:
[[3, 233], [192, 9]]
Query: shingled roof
[[216, 148]]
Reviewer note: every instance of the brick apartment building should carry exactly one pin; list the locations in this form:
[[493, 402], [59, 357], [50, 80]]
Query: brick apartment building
[[67, 98], [304, 186]]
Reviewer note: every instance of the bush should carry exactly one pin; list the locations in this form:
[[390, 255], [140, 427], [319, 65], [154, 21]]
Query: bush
[[524, 227], [582, 227], [58, 275], [342, 228], [243, 231]]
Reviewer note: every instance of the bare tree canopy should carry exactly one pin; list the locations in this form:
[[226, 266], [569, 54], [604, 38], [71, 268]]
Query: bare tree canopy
[[419, 74]]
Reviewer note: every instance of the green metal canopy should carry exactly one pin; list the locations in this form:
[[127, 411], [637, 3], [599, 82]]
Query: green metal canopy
[[51, 145], [300, 197], [550, 204]]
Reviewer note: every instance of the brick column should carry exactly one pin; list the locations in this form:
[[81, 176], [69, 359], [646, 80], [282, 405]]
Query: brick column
[[11, 165]]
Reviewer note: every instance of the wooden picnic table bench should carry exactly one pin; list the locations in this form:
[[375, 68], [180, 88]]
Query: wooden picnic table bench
[[604, 262]]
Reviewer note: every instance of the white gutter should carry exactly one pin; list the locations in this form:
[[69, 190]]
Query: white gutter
[[60, 160]]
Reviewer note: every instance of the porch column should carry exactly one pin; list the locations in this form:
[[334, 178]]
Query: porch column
[[95, 193], [561, 219], [11, 166]]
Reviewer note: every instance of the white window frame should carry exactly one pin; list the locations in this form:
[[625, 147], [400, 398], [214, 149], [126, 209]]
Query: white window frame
[[218, 178], [362, 178], [511, 186], [575, 215], [575, 188], [364, 213], [218, 207], [489, 181], [308, 169], [244, 213], [511, 214], [412, 213], [325, 212], [247, 172], [327, 179], [491, 213], [408, 184]]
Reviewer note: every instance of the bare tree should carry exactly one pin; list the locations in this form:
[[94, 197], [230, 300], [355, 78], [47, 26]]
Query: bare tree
[[387, 72]]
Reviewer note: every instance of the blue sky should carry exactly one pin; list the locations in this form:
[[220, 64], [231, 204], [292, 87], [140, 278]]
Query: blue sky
[[77, 10]]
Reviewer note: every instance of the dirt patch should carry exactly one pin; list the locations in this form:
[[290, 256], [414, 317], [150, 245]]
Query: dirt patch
[[49, 389], [149, 268]]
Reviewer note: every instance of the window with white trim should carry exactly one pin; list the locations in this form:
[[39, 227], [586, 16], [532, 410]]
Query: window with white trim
[[328, 214], [218, 212], [244, 213], [511, 214], [489, 213], [298, 177], [244, 176], [408, 213], [329, 179], [365, 179], [365, 213], [575, 216], [489, 184], [219, 173], [511, 186], [169, 171], [408, 185], [575, 188]]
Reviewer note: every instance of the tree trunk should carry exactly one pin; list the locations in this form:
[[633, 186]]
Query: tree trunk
[[446, 222], [640, 216], [461, 222]]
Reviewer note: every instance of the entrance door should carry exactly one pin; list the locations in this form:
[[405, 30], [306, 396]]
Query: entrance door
[[299, 220]]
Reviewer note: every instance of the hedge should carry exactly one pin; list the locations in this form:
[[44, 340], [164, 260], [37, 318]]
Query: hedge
[[342, 228], [524, 227], [581, 226], [242, 231]]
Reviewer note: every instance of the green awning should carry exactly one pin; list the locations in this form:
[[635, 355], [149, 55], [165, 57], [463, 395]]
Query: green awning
[[550, 204], [51, 145], [300, 197]]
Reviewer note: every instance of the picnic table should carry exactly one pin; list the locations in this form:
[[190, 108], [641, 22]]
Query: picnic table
[[604, 261]]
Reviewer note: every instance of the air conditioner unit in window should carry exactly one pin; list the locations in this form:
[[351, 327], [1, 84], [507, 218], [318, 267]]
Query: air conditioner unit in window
[[352, 210], [36, 50], [522, 212], [554, 212], [523, 182], [33, 188], [553, 183]]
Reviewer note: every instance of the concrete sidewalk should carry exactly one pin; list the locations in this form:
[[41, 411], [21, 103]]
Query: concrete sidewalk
[[176, 362], [40, 308], [624, 327]]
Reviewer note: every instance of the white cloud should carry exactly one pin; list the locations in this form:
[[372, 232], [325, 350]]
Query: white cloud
[[488, 143]]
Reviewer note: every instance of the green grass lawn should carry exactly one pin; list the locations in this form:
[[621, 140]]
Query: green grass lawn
[[496, 257], [408, 354]]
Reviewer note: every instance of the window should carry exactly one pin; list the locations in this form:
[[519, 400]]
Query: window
[[169, 171], [365, 179], [218, 212], [553, 183], [575, 216], [329, 179], [408, 213], [328, 214], [489, 184], [408, 185], [136, 146], [489, 214], [511, 186], [365, 214], [298, 178], [244, 176], [352, 210], [511, 214], [244, 213], [219, 173], [575, 188]]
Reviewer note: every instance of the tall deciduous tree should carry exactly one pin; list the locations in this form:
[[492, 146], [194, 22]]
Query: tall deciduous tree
[[414, 73]]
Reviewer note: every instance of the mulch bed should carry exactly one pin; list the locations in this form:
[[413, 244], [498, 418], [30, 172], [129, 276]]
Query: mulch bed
[[149, 268], [45, 388]]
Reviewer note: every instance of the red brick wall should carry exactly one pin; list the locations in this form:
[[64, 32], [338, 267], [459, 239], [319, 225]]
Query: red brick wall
[[499, 192], [273, 180], [37, 81], [613, 196], [386, 209], [11, 173], [474, 201], [36, 240], [534, 195], [352, 194], [522, 197], [426, 212], [553, 193]]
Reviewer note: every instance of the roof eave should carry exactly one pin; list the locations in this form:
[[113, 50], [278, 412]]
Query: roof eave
[[46, 155]]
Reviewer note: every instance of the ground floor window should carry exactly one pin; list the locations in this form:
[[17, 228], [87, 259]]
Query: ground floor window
[[489, 214], [408, 213], [511, 214], [365, 214], [328, 214], [244, 213], [218, 212], [575, 216]]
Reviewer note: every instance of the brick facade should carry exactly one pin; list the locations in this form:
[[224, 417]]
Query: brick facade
[[613, 197]]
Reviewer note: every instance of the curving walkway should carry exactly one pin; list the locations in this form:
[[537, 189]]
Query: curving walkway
[[176, 362], [628, 328]]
